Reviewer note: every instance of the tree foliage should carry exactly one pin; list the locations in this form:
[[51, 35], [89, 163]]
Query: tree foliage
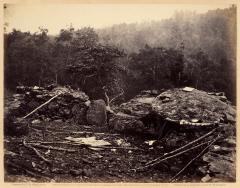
[[189, 49]]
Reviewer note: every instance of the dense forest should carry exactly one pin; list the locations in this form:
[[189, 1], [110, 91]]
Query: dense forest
[[189, 49]]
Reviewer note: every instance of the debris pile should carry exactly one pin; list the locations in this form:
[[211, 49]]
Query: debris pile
[[67, 104]]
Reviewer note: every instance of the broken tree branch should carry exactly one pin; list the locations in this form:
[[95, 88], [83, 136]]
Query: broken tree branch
[[170, 157], [190, 162], [36, 152], [38, 144], [106, 96], [73, 132], [115, 147], [114, 98], [40, 106], [52, 148], [108, 108], [183, 147]]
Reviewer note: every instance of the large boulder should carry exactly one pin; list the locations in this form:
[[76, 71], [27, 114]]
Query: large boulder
[[125, 123], [96, 113], [133, 115], [179, 109], [140, 105], [192, 106]]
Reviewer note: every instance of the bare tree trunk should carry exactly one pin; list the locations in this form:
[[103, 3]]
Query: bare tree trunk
[[56, 78], [196, 86]]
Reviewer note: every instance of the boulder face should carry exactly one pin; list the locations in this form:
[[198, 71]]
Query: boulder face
[[192, 106], [140, 105], [130, 115], [183, 108], [96, 113], [125, 123]]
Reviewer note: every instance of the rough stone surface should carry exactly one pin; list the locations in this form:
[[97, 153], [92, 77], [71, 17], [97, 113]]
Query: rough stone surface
[[126, 123], [195, 104], [96, 113], [63, 107], [140, 105]]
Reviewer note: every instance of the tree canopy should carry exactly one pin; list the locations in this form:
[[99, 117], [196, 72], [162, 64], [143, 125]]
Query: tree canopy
[[189, 49]]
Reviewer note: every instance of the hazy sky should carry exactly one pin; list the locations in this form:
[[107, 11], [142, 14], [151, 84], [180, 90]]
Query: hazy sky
[[58, 16]]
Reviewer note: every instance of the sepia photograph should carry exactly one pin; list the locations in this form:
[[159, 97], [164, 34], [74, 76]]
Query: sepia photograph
[[119, 92]]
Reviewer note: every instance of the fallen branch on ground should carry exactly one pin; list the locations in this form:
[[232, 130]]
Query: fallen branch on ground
[[170, 157], [183, 147], [115, 147], [36, 152], [190, 162], [52, 148], [42, 105], [88, 132], [38, 144]]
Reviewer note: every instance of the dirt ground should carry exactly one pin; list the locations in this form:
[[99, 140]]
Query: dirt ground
[[113, 164]]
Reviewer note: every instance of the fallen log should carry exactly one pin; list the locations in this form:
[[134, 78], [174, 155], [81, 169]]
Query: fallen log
[[52, 148]]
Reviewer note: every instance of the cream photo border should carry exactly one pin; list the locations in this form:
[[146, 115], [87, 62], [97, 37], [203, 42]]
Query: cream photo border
[[30, 184]]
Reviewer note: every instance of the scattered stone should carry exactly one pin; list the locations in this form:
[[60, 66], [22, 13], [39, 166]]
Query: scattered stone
[[76, 172], [216, 148], [223, 98], [122, 142], [206, 178], [113, 150], [202, 170], [230, 141], [150, 142], [87, 172], [58, 120], [36, 121], [35, 87], [194, 120], [188, 89]]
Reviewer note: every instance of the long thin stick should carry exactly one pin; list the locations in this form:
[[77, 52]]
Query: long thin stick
[[114, 98], [115, 147], [183, 147], [73, 132], [190, 162], [53, 148], [89, 132], [38, 144], [36, 151], [171, 156], [40, 106]]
